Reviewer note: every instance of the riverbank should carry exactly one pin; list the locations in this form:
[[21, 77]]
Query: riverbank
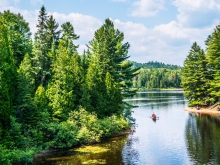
[[205, 110], [50, 151]]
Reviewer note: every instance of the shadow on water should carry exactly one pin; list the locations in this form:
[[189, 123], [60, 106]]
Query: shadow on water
[[119, 151], [203, 139]]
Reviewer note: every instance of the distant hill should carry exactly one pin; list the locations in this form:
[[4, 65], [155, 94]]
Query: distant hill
[[152, 64]]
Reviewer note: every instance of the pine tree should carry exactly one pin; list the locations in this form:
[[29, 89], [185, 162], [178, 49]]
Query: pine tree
[[213, 57], [114, 97], [109, 55], [64, 88], [7, 77], [41, 60], [26, 88], [94, 91], [42, 28], [68, 35], [52, 33], [195, 77]]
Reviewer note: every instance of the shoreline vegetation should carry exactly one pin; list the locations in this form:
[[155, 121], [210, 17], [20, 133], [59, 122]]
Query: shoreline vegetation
[[121, 133], [201, 75], [53, 97], [159, 89]]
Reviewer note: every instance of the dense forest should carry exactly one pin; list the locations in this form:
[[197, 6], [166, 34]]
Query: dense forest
[[201, 72], [152, 64], [53, 97], [157, 75], [157, 78]]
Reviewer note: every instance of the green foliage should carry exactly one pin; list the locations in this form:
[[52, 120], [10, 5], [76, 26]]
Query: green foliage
[[8, 157], [152, 64], [65, 85], [213, 58], [50, 96], [201, 72], [195, 77], [25, 109], [107, 67], [52, 33], [7, 76], [82, 127], [19, 35], [65, 135], [88, 126], [157, 78], [113, 124], [68, 36]]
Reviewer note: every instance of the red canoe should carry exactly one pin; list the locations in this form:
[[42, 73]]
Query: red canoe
[[154, 116]]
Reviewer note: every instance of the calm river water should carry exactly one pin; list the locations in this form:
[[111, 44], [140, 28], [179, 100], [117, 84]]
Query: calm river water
[[176, 138]]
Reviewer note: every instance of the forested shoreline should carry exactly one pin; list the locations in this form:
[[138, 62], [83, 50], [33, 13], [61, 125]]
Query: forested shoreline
[[157, 75], [201, 72], [53, 97]]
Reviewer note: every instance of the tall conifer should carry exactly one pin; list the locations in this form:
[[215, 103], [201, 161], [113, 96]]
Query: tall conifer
[[195, 77]]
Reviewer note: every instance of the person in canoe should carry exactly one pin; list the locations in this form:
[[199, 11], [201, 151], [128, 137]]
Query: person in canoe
[[154, 117]]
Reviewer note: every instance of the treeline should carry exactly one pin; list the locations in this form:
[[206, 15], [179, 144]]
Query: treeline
[[52, 97], [152, 64], [201, 72], [157, 78]]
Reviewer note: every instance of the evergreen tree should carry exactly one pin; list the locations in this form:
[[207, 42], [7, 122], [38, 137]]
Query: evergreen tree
[[42, 28], [113, 97], [213, 57], [94, 91], [41, 60], [62, 90], [52, 34], [7, 77], [195, 77], [108, 55], [25, 105], [68, 35], [19, 34]]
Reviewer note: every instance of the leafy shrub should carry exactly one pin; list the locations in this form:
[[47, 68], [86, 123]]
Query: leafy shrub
[[66, 136]]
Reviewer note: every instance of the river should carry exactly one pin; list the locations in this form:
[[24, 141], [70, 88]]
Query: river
[[175, 138]]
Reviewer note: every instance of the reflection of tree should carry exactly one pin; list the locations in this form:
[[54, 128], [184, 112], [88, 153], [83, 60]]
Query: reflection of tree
[[203, 139], [112, 157], [129, 153]]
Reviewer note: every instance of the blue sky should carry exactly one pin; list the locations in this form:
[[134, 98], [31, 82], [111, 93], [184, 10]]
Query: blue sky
[[157, 30]]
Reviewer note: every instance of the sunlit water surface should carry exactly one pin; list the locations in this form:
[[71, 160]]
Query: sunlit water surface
[[176, 138]]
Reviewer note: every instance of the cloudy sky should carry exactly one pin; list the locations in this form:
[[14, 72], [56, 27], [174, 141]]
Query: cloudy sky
[[157, 30]]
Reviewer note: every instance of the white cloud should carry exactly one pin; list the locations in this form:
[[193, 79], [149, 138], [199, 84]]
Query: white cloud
[[197, 5], [147, 8], [84, 25], [198, 13], [3, 4], [168, 43]]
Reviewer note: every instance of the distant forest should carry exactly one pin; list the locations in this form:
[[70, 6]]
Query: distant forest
[[152, 64], [157, 75]]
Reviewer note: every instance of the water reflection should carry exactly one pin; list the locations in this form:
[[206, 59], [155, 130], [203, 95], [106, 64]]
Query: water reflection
[[157, 98], [120, 151], [176, 138], [130, 154], [203, 139]]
